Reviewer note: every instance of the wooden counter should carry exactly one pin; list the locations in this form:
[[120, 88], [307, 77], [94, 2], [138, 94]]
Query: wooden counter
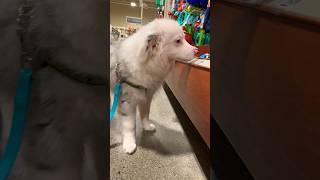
[[190, 85]]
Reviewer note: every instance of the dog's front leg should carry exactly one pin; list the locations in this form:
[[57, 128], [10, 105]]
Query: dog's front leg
[[144, 109], [127, 116]]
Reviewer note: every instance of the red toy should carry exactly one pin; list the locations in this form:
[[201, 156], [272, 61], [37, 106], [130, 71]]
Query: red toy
[[196, 24], [180, 6]]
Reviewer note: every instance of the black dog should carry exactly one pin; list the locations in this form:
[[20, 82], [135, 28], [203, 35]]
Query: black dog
[[67, 122]]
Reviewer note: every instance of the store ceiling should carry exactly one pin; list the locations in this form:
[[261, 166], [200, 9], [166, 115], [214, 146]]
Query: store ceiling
[[147, 3]]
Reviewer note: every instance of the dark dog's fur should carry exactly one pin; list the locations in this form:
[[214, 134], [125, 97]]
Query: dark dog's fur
[[67, 118]]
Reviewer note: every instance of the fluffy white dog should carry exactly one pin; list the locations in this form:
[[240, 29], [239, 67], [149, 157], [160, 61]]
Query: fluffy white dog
[[142, 62]]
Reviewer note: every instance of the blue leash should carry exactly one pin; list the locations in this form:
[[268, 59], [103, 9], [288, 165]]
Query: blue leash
[[18, 123], [117, 89]]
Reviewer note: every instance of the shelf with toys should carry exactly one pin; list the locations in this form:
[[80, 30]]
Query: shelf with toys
[[194, 17]]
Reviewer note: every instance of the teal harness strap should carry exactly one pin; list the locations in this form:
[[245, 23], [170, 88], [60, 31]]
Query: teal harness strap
[[18, 123], [117, 90]]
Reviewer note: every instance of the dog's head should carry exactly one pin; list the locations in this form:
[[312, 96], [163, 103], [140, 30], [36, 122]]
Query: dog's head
[[166, 38]]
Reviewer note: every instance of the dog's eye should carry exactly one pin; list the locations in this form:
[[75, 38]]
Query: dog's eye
[[178, 41]]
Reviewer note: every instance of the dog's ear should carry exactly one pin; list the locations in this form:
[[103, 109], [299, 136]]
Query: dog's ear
[[153, 42]]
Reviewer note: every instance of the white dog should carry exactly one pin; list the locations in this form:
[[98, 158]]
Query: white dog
[[142, 62]]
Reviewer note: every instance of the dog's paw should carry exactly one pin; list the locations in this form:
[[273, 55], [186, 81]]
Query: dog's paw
[[148, 126], [129, 146]]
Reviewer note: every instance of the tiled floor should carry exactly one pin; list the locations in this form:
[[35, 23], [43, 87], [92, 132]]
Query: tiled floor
[[164, 155]]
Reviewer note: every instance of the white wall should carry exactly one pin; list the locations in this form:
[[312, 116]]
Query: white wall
[[119, 12]]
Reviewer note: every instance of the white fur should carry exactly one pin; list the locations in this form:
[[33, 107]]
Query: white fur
[[146, 58]]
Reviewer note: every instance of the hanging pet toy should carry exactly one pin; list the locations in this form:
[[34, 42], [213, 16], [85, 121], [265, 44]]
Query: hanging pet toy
[[199, 32], [172, 10], [181, 5], [207, 18], [182, 17], [160, 7]]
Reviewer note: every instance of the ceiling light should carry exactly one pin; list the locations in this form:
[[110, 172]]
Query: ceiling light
[[133, 4]]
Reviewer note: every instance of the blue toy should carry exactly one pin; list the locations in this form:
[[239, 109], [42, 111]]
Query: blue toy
[[207, 20], [203, 3]]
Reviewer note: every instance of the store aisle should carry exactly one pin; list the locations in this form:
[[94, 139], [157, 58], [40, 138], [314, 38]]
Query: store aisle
[[166, 154]]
